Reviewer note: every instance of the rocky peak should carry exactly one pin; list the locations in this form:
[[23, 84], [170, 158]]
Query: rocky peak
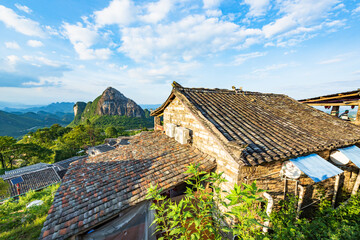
[[79, 108], [113, 102]]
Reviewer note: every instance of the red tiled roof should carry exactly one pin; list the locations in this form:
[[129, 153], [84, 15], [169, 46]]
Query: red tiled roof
[[263, 127], [97, 188]]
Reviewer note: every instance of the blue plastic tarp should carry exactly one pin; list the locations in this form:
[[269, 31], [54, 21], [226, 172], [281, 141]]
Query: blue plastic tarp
[[17, 180], [353, 153], [317, 168]]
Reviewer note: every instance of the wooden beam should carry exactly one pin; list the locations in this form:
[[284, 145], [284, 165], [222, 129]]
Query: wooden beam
[[330, 98], [350, 103]]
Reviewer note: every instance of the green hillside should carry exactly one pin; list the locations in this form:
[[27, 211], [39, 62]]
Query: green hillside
[[18, 124]]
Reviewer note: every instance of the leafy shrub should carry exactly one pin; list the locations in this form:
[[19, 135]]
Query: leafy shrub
[[340, 223], [198, 215]]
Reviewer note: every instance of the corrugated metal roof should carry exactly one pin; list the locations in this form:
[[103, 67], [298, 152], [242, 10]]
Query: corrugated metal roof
[[353, 153], [317, 168]]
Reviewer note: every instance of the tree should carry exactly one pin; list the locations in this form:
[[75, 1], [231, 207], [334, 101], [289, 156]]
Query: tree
[[6, 143], [111, 131], [4, 189]]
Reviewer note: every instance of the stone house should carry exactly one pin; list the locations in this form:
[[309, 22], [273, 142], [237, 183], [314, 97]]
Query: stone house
[[284, 145], [251, 135]]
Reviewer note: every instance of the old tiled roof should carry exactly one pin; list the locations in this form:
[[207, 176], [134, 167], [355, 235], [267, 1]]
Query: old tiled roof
[[97, 188], [258, 127], [30, 168], [64, 164], [34, 180], [100, 148]]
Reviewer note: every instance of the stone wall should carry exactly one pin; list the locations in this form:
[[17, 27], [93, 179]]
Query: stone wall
[[178, 114], [268, 177]]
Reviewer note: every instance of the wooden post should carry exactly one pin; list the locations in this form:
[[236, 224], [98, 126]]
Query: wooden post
[[301, 199], [336, 188], [268, 210], [285, 187], [356, 185], [357, 121], [335, 111]]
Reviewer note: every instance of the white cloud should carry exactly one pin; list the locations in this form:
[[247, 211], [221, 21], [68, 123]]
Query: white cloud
[[79, 34], [257, 7], [339, 6], [162, 73], [90, 54], [213, 13], [298, 14], [23, 8], [12, 59], [241, 58], [121, 12], [51, 31], [19, 23], [356, 10], [193, 35], [157, 11], [117, 67], [211, 3], [38, 61], [34, 43], [329, 61], [12, 45], [273, 67], [82, 39]]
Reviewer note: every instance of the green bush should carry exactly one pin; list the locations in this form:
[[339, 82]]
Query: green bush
[[329, 223], [197, 215]]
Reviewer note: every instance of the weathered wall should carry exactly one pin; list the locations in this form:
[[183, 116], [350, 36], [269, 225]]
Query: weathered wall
[[268, 177], [178, 114]]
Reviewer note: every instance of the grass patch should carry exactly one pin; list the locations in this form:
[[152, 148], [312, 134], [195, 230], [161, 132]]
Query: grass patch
[[19, 222]]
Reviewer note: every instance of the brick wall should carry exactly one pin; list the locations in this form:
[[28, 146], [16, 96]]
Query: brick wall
[[178, 114]]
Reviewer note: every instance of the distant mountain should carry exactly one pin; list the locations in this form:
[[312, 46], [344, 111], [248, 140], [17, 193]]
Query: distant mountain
[[150, 106], [112, 108], [15, 105], [18, 124], [64, 107]]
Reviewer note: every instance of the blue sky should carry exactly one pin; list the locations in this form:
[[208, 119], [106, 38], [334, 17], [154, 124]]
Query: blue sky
[[63, 50]]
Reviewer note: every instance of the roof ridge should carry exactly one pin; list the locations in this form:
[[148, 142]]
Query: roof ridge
[[179, 87]]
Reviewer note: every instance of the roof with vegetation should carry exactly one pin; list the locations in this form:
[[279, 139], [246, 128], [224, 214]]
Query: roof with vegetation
[[95, 189], [35, 180], [256, 128]]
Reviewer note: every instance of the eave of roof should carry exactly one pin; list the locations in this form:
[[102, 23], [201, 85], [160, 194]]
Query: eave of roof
[[335, 96]]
